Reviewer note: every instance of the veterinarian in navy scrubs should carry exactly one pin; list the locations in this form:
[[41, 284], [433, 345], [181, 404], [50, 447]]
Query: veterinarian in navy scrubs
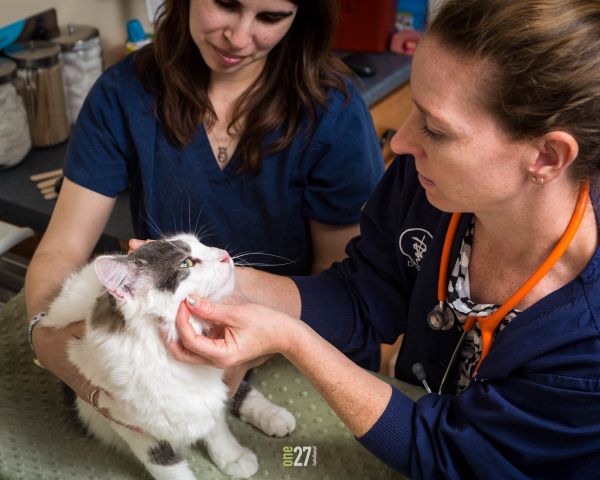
[[505, 134], [237, 123]]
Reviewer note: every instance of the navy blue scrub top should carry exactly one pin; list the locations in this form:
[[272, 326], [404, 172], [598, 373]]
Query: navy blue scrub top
[[118, 143]]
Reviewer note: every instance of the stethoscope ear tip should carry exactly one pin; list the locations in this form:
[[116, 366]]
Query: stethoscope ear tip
[[419, 371]]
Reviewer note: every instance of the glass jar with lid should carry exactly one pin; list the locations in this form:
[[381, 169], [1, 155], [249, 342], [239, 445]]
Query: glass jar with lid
[[15, 141], [40, 81], [82, 61]]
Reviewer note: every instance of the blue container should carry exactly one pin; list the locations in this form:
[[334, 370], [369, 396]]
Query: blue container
[[412, 14], [135, 31]]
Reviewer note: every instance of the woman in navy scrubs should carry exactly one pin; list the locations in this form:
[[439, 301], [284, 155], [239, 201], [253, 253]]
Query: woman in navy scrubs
[[500, 163], [238, 124]]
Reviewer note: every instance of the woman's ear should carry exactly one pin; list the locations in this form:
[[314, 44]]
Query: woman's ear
[[556, 151]]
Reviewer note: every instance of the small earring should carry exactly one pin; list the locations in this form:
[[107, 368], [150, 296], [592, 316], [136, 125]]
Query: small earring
[[538, 181]]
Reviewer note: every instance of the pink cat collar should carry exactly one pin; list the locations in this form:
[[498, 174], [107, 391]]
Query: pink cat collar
[[93, 399]]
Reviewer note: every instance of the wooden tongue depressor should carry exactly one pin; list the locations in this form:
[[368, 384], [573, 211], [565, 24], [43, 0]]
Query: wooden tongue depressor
[[46, 175], [47, 183]]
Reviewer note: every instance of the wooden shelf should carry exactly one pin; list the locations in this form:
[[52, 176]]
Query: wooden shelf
[[389, 113]]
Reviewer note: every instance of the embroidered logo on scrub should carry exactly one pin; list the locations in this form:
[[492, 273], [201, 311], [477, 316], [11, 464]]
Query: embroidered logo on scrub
[[413, 245]]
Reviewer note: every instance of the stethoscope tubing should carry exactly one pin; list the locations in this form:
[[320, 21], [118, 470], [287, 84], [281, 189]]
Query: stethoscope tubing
[[489, 324], [461, 340]]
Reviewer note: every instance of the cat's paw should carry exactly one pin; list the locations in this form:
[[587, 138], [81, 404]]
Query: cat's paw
[[275, 421], [243, 466]]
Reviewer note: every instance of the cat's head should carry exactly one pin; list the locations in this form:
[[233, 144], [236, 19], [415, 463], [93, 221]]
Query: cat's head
[[161, 273]]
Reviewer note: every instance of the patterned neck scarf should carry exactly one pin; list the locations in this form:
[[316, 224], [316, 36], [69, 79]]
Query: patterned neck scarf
[[459, 300]]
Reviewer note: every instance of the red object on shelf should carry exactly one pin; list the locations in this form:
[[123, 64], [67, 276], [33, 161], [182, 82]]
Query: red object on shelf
[[365, 25], [405, 41]]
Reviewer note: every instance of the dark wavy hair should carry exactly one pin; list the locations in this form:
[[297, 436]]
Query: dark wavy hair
[[545, 72], [298, 74]]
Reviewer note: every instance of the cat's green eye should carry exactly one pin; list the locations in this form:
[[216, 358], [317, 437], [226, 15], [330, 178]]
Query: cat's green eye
[[187, 263]]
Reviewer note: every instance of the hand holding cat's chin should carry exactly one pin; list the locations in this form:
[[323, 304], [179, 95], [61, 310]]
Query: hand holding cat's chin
[[250, 332], [172, 338]]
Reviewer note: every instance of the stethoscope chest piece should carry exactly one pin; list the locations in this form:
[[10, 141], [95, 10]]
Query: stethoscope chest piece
[[441, 317]]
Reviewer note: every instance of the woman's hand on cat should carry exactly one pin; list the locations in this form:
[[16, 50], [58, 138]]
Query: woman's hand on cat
[[50, 345], [135, 243], [250, 332]]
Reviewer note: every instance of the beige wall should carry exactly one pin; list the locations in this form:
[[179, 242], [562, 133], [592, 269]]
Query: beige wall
[[108, 16]]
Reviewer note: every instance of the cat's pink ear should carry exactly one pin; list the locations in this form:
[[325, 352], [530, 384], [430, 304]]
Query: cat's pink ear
[[117, 275]]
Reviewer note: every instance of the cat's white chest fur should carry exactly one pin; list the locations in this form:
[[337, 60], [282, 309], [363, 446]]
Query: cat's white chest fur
[[174, 401]]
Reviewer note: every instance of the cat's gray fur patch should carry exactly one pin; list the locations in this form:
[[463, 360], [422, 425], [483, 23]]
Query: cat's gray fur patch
[[163, 454], [107, 315], [160, 261]]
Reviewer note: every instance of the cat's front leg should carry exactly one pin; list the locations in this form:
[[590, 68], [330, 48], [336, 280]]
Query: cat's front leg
[[159, 457], [225, 451], [253, 408]]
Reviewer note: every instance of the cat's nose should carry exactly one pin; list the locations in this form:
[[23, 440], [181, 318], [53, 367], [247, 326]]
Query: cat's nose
[[224, 257]]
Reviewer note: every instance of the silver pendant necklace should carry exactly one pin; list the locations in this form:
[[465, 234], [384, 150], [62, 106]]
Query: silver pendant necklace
[[222, 155]]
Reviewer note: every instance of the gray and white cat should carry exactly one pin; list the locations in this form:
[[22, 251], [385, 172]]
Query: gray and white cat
[[129, 303]]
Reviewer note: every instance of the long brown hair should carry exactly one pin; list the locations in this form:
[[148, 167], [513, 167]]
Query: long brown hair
[[296, 79], [545, 65]]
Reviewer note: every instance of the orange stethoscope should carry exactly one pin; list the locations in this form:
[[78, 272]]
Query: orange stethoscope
[[441, 318]]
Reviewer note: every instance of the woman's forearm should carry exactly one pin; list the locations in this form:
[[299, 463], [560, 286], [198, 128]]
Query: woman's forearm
[[358, 397], [44, 279], [274, 291], [329, 243], [77, 222], [252, 331]]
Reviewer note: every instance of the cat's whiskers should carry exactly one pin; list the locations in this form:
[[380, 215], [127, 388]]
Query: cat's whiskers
[[237, 259], [196, 232], [151, 222], [240, 255], [174, 245], [241, 261], [175, 229], [204, 232], [189, 212]]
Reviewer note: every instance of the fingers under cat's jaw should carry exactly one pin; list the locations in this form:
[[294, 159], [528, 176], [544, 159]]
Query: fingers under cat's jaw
[[182, 354]]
